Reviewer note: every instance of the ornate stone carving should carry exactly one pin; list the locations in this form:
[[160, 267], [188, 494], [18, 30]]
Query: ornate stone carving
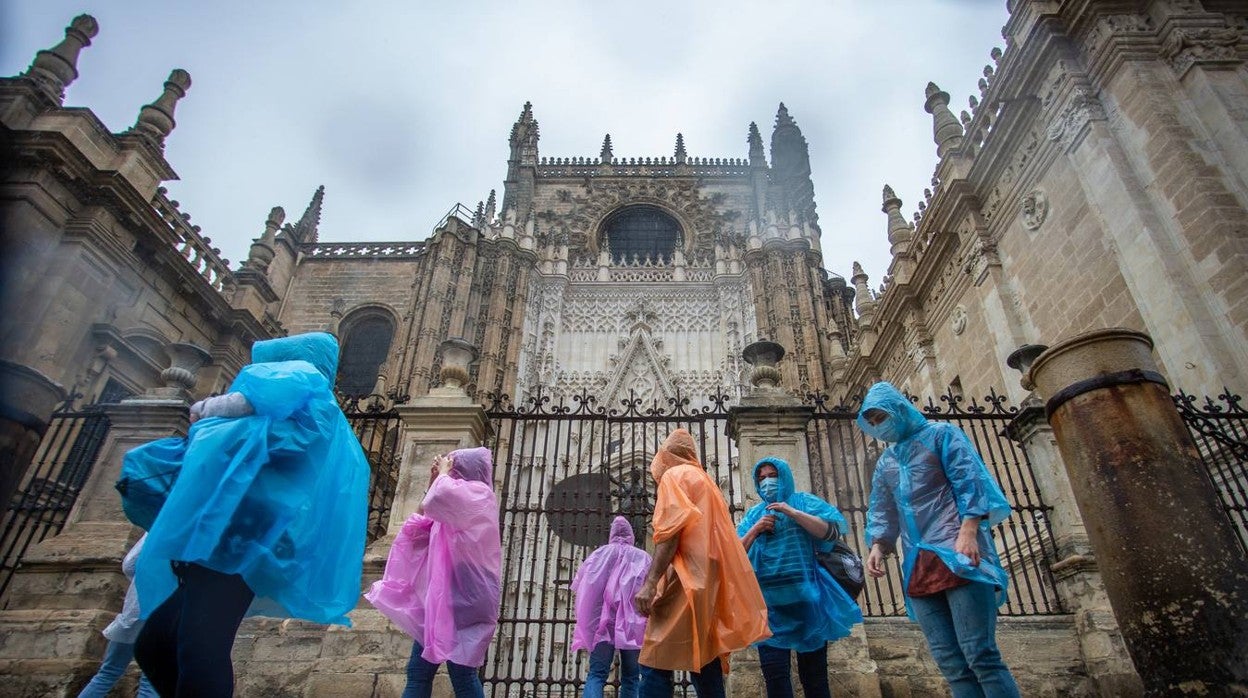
[[957, 319], [1185, 48], [1083, 108], [1033, 209]]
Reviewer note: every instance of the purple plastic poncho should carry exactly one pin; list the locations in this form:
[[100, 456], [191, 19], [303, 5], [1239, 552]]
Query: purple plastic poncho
[[441, 584], [605, 585]]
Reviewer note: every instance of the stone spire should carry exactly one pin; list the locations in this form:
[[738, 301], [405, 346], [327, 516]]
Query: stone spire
[[261, 252], [946, 130], [757, 157], [790, 168], [524, 135], [606, 156], [491, 202], [306, 229], [864, 302], [899, 232], [681, 155], [156, 119], [520, 184], [55, 68]]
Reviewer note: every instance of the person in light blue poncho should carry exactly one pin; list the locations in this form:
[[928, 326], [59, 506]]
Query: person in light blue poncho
[[267, 516], [931, 487], [806, 607]]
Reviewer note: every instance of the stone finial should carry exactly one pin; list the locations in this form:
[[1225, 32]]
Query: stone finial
[[491, 204], [261, 252], [763, 356], [864, 300], [783, 118], [606, 155], [306, 230], [681, 154], [965, 118], [55, 68], [156, 119], [180, 377], [758, 157], [524, 136], [899, 232], [457, 356], [946, 130]]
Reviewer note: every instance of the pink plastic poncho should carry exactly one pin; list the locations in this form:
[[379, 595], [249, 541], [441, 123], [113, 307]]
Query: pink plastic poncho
[[441, 584], [605, 585]]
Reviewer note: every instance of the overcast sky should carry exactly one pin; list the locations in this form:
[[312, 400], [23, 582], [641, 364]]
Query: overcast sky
[[402, 109]]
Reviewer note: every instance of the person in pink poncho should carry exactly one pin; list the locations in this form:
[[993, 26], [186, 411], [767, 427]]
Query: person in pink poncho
[[606, 620], [441, 584]]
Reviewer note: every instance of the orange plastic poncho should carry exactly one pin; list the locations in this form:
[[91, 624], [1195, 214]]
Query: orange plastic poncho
[[708, 604]]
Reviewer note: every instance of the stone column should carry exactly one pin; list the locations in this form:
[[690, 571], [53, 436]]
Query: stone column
[[1170, 560], [1079, 582], [70, 586], [372, 654], [27, 398], [771, 422]]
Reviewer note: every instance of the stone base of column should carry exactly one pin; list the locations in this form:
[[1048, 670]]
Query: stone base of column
[[1100, 641]]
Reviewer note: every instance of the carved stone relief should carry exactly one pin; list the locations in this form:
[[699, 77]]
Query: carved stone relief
[[958, 319], [1033, 209]]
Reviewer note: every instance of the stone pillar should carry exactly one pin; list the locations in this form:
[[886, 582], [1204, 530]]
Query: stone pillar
[[27, 398], [372, 654], [70, 586], [1169, 558], [771, 422], [1079, 582]]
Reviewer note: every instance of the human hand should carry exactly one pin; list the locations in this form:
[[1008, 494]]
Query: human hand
[[875, 562], [197, 411], [968, 544], [766, 524], [782, 507], [644, 600]]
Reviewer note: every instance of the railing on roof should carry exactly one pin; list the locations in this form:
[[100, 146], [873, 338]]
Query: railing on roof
[[385, 250], [649, 167], [196, 249]]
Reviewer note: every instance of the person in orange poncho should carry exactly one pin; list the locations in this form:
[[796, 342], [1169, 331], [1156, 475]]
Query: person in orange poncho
[[700, 595]]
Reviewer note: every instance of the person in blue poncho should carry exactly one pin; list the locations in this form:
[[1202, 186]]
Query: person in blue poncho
[[931, 487], [806, 607], [268, 515]]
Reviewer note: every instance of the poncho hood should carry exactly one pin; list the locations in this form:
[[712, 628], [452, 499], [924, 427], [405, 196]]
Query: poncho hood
[[473, 464], [317, 348], [883, 396], [785, 475], [621, 531], [677, 449]]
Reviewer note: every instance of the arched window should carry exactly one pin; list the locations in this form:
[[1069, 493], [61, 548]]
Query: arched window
[[641, 231], [367, 336]]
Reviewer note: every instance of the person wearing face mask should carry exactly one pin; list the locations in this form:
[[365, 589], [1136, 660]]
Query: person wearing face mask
[[806, 608], [442, 583], [932, 488]]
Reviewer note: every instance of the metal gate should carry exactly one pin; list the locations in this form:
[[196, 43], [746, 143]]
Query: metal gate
[[843, 458], [568, 467], [376, 423], [51, 484], [1220, 429]]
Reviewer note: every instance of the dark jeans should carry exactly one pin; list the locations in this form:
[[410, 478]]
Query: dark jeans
[[961, 630], [812, 670], [600, 668], [184, 648], [707, 683], [420, 673]]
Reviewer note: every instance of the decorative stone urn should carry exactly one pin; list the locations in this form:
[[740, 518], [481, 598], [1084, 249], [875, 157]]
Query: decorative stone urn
[[457, 356], [763, 356], [185, 360]]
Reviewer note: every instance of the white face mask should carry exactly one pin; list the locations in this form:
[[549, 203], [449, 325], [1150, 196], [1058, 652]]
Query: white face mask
[[887, 430]]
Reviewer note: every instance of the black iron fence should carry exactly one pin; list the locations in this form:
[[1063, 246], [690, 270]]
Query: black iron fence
[[1220, 429], [376, 423], [51, 484], [569, 466], [843, 458]]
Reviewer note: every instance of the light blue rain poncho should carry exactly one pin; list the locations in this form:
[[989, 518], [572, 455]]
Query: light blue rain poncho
[[280, 496], [806, 608], [925, 483]]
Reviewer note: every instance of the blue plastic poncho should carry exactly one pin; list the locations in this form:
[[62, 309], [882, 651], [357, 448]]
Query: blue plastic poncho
[[806, 608], [280, 497], [925, 483]]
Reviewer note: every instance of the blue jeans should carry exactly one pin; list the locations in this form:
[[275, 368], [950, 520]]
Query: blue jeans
[[600, 667], [707, 683], [961, 629], [420, 675], [117, 659], [812, 670]]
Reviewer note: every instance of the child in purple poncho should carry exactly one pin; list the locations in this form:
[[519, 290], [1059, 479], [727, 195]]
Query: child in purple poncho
[[441, 584], [606, 620]]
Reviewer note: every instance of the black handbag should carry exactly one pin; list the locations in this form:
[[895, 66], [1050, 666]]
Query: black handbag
[[845, 567]]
